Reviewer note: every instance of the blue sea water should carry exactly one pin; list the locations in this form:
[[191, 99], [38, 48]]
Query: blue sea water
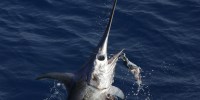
[[160, 36]]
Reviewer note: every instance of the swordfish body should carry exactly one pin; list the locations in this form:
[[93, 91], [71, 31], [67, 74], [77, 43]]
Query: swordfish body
[[94, 80]]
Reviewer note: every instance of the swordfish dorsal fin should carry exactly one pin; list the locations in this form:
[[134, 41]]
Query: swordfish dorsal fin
[[102, 46], [66, 78]]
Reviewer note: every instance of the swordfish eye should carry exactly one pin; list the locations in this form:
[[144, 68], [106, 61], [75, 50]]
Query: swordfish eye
[[101, 57]]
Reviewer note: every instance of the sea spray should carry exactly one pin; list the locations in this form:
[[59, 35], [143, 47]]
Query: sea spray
[[56, 92], [140, 89]]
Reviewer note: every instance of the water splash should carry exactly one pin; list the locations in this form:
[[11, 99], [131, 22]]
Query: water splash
[[138, 90], [56, 92]]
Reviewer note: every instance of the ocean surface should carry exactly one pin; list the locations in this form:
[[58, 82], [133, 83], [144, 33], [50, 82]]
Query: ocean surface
[[160, 36]]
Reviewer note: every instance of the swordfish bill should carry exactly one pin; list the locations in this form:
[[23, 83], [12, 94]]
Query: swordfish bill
[[103, 44]]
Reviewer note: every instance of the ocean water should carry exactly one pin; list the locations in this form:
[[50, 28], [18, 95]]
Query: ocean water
[[160, 36]]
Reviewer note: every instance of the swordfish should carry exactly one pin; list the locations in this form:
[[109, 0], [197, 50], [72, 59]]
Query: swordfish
[[94, 80]]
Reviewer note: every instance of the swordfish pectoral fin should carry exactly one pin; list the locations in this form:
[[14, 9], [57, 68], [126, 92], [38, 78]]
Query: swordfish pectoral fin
[[115, 91], [66, 78]]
